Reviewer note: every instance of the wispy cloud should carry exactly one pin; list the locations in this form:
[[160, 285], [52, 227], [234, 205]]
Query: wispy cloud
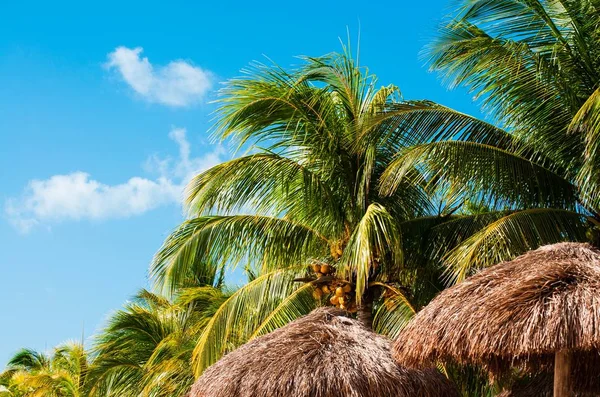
[[179, 83], [77, 196]]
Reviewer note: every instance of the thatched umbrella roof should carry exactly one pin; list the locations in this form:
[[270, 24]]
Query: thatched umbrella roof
[[517, 313], [324, 354]]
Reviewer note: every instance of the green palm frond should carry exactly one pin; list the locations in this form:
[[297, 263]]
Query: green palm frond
[[293, 188], [587, 123], [353, 86], [513, 235], [146, 347], [374, 246], [167, 371], [393, 314], [483, 172], [297, 304], [385, 96], [416, 238], [411, 123], [29, 359], [62, 374], [272, 106], [532, 62], [243, 313], [455, 230], [227, 240]]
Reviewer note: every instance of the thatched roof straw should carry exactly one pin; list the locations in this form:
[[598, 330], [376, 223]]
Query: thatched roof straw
[[324, 354], [515, 314]]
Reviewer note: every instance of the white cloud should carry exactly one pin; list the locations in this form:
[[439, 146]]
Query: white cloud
[[179, 83], [77, 196]]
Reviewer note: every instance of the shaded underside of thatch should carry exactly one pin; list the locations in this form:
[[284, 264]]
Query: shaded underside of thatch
[[324, 354], [538, 386], [515, 314], [542, 385]]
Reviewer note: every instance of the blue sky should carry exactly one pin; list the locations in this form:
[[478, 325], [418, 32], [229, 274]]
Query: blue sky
[[104, 112]]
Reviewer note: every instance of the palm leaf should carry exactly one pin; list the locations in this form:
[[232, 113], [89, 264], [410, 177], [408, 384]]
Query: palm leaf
[[374, 246], [267, 183], [512, 235], [242, 314], [299, 303], [393, 314], [587, 123], [227, 240], [482, 172]]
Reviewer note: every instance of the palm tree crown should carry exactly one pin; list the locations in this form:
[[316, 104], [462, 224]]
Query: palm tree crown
[[62, 374], [318, 140], [536, 67]]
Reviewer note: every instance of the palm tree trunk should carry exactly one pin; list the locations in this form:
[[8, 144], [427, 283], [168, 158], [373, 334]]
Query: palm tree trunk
[[365, 310]]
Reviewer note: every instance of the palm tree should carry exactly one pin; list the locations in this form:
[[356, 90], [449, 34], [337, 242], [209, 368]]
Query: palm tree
[[535, 65], [302, 209], [146, 347], [63, 374]]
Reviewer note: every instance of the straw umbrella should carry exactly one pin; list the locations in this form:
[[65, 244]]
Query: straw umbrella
[[539, 312], [324, 354]]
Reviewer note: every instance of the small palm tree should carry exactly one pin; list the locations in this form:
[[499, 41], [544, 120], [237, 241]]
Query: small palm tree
[[536, 67], [63, 374], [302, 210], [146, 348]]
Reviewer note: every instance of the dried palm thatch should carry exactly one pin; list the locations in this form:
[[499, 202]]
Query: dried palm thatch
[[541, 307], [324, 354]]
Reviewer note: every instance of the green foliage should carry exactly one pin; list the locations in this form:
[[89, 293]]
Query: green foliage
[[395, 195], [64, 373], [535, 66], [269, 301], [320, 137], [146, 348]]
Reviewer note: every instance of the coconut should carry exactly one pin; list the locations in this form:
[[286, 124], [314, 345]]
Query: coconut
[[326, 269], [317, 294]]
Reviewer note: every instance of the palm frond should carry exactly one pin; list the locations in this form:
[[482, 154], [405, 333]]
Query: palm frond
[[353, 87], [513, 235], [267, 183], [299, 303], [272, 106], [587, 123], [483, 172], [393, 314], [227, 240], [374, 246], [533, 62], [146, 347], [29, 359], [242, 314], [410, 123]]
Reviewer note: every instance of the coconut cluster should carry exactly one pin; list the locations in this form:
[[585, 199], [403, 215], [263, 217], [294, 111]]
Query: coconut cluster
[[338, 292]]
